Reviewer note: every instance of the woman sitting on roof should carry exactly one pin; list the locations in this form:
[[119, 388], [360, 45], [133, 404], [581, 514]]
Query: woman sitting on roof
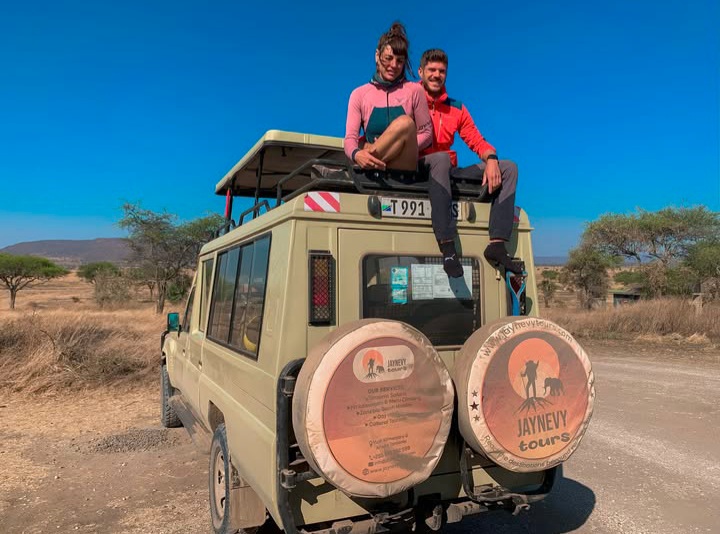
[[394, 117]]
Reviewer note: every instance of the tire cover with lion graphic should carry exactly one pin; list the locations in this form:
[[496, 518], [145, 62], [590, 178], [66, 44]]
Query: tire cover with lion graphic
[[525, 392], [372, 408]]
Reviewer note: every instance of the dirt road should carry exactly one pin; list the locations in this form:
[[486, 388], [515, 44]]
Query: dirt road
[[649, 463]]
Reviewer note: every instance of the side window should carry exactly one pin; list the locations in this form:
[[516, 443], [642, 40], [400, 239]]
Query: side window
[[241, 291], [256, 296], [223, 292], [188, 312], [238, 296], [207, 267]]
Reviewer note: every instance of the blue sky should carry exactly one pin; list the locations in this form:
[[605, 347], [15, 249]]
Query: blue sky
[[605, 106]]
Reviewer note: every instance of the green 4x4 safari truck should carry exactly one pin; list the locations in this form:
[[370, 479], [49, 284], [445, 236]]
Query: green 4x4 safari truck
[[340, 381]]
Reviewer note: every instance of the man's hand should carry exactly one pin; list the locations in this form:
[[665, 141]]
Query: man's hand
[[491, 176], [366, 160]]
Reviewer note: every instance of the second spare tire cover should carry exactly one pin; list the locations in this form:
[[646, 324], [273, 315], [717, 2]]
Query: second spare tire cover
[[525, 393], [372, 408]]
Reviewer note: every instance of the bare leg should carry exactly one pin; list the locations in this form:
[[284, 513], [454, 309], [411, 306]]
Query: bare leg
[[397, 146]]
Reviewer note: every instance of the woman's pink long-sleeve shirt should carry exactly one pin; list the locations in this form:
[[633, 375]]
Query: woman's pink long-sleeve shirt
[[373, 107]]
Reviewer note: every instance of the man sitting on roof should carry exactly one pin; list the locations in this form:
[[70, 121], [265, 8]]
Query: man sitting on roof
[[450, 116]]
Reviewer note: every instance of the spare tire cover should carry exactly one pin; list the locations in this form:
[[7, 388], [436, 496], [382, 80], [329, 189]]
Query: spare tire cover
[[525, 393], [372, 408]]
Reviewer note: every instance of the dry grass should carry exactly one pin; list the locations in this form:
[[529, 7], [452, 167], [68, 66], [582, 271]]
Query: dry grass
[[59, 341], [671, 319], [59, 350]]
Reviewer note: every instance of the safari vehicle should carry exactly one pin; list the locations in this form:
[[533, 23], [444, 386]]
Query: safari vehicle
[[339, 380]]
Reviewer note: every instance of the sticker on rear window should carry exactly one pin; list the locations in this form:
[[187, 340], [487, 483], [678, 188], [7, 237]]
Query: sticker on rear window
[[430, 281], [399, 285]]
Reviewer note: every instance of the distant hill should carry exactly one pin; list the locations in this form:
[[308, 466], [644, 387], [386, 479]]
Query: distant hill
[[73, 253], [550, 261]]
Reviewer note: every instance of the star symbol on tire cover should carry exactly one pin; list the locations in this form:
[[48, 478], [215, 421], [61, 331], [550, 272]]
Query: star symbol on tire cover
[[476, 418], [474, 406], [474, 393]]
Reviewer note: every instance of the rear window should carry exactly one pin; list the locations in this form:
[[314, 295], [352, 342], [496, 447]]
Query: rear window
[[416, 290]]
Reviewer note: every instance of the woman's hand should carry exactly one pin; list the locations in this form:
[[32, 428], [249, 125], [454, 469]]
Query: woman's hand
[[365, 159]]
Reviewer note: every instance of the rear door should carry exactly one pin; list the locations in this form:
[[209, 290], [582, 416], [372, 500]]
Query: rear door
[[399, 276]]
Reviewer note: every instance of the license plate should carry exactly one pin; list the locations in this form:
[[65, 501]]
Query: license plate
[[413, 208]]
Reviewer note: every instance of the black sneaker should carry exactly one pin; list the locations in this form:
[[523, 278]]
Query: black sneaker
[[452, 266], [497, 256]]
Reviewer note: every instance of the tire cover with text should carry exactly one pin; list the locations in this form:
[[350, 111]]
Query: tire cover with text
[[525, 392], [372, 408]]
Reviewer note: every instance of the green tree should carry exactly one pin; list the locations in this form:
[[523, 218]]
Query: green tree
[[616, 235], [630, 278], [665, 235], [658, 241], [178, 289], [21, 272], [670, 233], [547, 285], [110, 285], [142, 277], [90, 271], [681, 281], [704, 260], [163, 249], [586, 271]]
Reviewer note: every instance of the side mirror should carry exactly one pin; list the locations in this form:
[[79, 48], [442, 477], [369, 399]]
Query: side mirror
[[173, 322]]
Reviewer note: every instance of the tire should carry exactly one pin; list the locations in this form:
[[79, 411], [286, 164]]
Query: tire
[[525, 391], [372, 408], [168, 417], [223, 515]]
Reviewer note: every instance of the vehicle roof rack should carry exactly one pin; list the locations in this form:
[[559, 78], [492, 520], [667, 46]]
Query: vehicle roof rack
[[283, 165]]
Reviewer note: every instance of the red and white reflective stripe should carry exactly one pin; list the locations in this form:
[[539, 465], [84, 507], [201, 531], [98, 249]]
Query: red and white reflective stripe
[[516, 217], [322, 201]]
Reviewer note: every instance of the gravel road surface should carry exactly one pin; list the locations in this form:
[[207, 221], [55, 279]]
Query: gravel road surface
[[650, 462]]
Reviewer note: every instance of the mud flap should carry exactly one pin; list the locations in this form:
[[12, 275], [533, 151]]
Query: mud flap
[[247, 508]]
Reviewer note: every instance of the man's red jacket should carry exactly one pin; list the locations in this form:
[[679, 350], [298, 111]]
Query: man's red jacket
[[450, 116]]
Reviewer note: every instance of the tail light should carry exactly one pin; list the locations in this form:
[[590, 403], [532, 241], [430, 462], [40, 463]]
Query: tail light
[[321, 271]]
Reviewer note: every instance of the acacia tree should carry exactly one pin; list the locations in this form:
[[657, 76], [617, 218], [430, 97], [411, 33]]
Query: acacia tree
[[91, 271], [657, 241], [665, 235], [670, 233], [617, 235], [21, 272], [163, 249], [587, 271]]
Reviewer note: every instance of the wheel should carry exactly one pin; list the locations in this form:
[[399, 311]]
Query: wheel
[[372, 408], [525, 390], [219, 483], [222, 512], [168, 417]]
